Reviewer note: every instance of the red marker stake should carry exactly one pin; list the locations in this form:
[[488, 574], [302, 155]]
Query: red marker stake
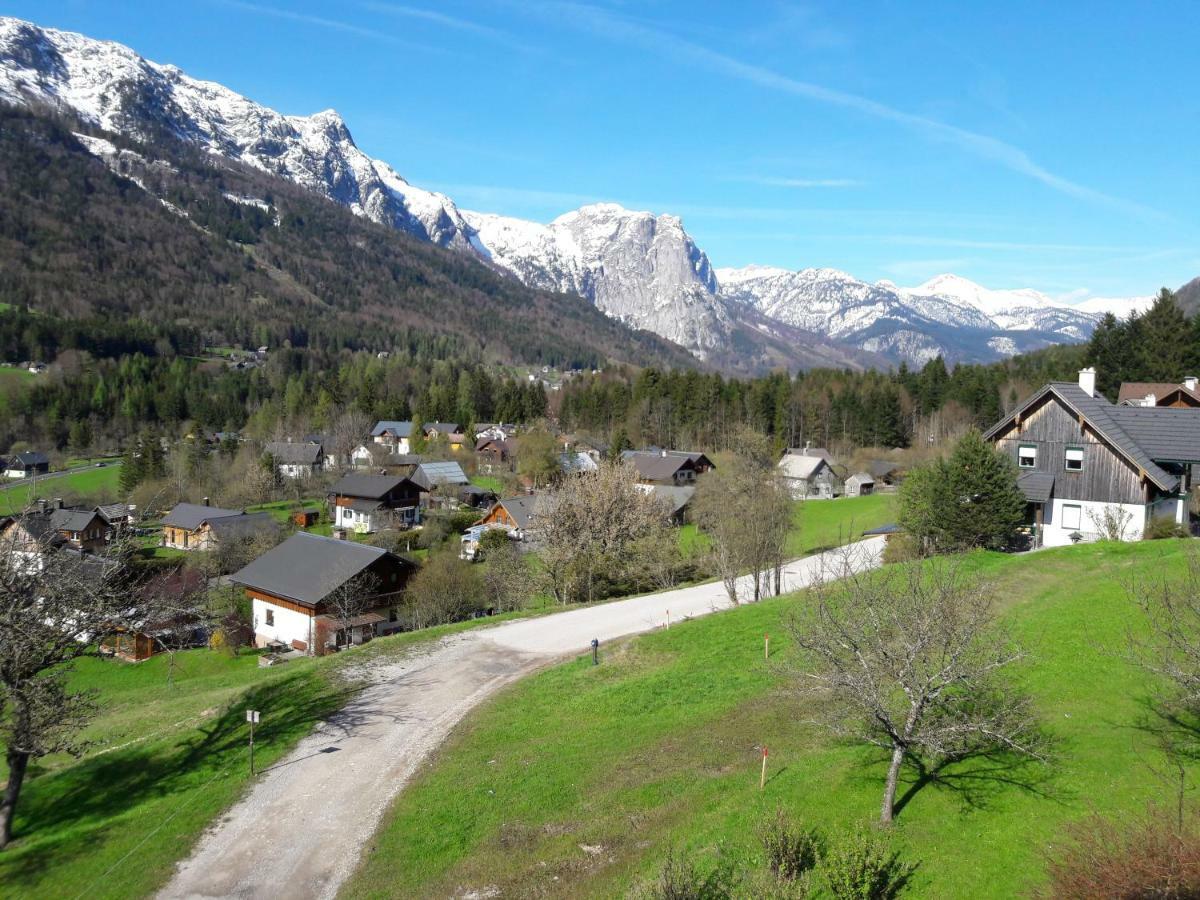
[[762, 779]]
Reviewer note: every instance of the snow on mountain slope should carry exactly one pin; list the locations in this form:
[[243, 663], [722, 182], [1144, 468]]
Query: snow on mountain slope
[[112, 87], [642, 268], [1121, 307]]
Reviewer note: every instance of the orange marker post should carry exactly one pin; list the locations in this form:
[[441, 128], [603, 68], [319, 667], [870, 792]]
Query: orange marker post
[[762, 779]]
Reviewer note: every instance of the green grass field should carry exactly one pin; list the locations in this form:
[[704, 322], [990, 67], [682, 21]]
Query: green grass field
[[96, 485], [14, 379], [167, 755], [489, 483], [818, 524], [660, 746]]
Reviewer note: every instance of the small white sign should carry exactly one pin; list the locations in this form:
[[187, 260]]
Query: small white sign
[[252, 716]]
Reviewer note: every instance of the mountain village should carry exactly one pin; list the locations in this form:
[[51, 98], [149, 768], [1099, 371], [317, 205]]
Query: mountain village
[[355, 543]]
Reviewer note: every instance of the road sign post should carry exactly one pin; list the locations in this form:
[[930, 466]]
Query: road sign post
[[595, 651], [252, 716]]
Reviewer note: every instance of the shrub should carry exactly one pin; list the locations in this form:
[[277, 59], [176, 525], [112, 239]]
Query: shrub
[[1156, 856], [791, 851], [901, 547], [1162, 528], [680, 878], [862, 866]]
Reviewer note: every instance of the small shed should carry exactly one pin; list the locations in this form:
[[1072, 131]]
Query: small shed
[[305, 518], [859, 485]]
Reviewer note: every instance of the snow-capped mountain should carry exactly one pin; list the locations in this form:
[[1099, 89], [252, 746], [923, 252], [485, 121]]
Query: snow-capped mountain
[[110, 86], [642, 268]]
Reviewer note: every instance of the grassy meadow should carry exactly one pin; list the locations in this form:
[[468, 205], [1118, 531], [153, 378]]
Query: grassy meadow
[[98, 484], [576, 781]]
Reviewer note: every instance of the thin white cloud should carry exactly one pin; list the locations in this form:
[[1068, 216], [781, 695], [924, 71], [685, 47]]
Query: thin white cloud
[[332, 24], [609, 25], [447, 21]]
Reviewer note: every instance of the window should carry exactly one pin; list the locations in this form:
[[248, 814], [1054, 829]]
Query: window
[[1070, 516], [270, 617], [1074, 460], [1027, 456]]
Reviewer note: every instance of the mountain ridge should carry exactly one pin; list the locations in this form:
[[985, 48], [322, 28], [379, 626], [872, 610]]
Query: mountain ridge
[[640, 268]]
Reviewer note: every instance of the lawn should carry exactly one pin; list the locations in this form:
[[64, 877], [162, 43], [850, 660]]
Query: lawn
[[14, 379], [489, 483], [97, 484], [818, 524], [167, 755], [576, 781]]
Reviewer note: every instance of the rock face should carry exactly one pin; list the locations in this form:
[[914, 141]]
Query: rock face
[[641, 268]]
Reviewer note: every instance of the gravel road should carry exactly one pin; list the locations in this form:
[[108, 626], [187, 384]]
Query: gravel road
[[301, 828]]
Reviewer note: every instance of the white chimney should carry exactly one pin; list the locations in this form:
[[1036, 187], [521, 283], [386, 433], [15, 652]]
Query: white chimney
[[1150, 400], [1190, 382], [1087, 381]]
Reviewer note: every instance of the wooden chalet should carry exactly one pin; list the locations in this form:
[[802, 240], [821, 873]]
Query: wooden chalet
[[1087, 465], [1184, 395], [198, 526], [516, 515]]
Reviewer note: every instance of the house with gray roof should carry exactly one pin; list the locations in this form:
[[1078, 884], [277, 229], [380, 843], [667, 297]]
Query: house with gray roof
[[369, 503], [394, 434], [188, 526], [516, 515], [296, 459], [809, 472], [316, 594], [26, 464], [1090, 468]]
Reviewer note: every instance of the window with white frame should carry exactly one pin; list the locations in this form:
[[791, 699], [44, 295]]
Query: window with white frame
[[1071, 516], [1074, 459], [1027, 456]]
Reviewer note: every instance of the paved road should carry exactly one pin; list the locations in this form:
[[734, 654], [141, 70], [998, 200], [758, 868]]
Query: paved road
[[300, 830]]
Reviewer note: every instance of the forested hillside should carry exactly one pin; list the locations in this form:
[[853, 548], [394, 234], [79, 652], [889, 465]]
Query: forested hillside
[[213, 253]]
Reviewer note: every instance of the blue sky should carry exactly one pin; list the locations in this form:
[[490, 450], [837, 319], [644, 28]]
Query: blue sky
[[1021, 144]]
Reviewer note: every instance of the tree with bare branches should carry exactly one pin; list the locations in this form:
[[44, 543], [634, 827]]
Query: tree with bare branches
[[57, 605], [909, 659], [746, 511], [589, 527]]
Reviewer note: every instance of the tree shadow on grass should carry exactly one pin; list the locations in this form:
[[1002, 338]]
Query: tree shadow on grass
[[978, 778]]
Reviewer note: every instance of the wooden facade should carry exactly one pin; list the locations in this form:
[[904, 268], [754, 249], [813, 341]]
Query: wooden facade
[[1051, 429], [498, 515]]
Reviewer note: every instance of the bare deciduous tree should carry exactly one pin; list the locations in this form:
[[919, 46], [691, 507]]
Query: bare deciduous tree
[[589, 525], [351, 428], [56, 606], [445, 589], [349, 600], [746, 512], [909, 659], [507, 576]]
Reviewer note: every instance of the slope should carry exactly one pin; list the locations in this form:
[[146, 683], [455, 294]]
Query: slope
[[576, 781], [95, 223]]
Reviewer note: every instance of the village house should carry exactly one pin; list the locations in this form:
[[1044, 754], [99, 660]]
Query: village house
[[669, 467], [396, 435], [860, 484], [299, 459], [198, 526], [676, 500], [26, 464], [294, 590], [452, 432], [369, 503], [500, 431], [809, 472], [445, 474], [1184, 395], [51, 526], [516, 515], [1089, 468], [495, 454]]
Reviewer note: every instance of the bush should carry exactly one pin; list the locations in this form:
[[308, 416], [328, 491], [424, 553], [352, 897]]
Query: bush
[[681, 879], [901, 547], [1162, 528], [862, 866], [791, 851], [1155, 857]]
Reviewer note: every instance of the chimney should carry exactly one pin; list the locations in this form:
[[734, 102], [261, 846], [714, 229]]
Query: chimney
[[204, 502], [58, 502], [1190, 382], [807, 444], [1087, 381], [664, 454], [41, 506], [1150, 400]]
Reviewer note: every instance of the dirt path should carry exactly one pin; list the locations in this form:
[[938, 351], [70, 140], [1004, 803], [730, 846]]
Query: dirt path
[[301, 828]]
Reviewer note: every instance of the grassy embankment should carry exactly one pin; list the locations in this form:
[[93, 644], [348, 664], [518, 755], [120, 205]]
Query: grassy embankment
[[659, 747]]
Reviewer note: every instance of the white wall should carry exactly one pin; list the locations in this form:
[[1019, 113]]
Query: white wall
[[1057, 534], [289, 625]]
